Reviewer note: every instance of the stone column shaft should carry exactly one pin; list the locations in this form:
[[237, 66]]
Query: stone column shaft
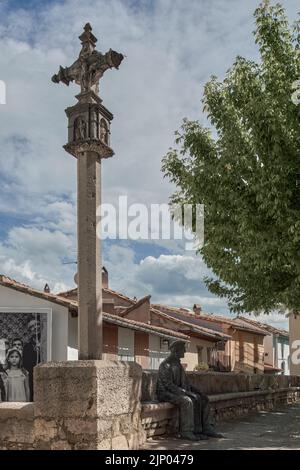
[[89, 257]]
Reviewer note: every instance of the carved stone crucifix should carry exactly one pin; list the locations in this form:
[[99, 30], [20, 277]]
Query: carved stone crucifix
[[90, 66], [88, 141]]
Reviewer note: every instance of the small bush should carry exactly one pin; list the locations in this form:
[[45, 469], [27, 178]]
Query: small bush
[[202, 366]]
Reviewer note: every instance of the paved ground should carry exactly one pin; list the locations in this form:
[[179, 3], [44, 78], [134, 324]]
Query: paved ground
[[279, 429]]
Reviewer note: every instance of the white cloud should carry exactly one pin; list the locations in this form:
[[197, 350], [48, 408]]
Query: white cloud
[[36, 255], [171, 279], [171, 51]]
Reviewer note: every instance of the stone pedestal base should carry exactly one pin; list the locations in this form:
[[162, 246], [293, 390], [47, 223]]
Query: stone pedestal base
[[88, 405]]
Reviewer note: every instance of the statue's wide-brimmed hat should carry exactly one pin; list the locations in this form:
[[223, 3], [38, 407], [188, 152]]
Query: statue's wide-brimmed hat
[[177, 343]]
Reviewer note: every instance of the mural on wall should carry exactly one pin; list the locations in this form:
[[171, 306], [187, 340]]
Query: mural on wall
[[24, 343]]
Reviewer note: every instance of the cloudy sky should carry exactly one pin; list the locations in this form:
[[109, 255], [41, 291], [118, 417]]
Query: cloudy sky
[[172, 47]]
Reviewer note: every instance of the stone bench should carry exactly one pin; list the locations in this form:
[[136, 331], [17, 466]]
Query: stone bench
[[161, 418]]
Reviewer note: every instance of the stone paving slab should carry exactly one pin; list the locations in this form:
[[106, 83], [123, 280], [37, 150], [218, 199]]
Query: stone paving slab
[[278, 429]]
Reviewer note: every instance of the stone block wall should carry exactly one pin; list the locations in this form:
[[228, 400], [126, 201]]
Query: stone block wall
[[234, 405], [88, 405], [112, 405], [212, 383], [159, 419], [16, 426], [92, 405]]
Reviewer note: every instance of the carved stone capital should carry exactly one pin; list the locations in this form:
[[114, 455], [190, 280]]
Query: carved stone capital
[[89, 145]]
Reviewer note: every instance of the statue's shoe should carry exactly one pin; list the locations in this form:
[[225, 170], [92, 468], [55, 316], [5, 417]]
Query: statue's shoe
[[202, 437], [213, 434], [189, 436]]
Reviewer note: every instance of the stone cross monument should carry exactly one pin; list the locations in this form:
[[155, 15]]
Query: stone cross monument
[[89, 141], [84, 404]]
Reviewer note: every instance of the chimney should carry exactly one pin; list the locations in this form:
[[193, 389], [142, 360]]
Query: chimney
[[104, 277], [47, 289], [197, 309]]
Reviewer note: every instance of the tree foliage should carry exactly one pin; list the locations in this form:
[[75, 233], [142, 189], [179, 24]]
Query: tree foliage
[[248, 175]]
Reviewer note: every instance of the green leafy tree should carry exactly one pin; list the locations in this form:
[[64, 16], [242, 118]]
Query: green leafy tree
[[246, 172]]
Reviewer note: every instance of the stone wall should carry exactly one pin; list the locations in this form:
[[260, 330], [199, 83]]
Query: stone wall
[[212, 383], [92, 405], [88, 405], [16, 426], [112, 405], [159, 419], [231, 396], [233, 405]]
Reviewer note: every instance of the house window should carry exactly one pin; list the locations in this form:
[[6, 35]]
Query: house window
[[283, 367]]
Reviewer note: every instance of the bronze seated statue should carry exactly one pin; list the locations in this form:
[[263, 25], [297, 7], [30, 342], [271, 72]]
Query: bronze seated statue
[[195, 417]]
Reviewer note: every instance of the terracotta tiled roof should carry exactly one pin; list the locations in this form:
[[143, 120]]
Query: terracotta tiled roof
[[138, 303], [68, 293], [281, 332], [189, 315], [125, 322], [246, 326], [73, 305], [185, 323], [118, 294], [185, 311], [13, 284], [269, 328], [72, 292]]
